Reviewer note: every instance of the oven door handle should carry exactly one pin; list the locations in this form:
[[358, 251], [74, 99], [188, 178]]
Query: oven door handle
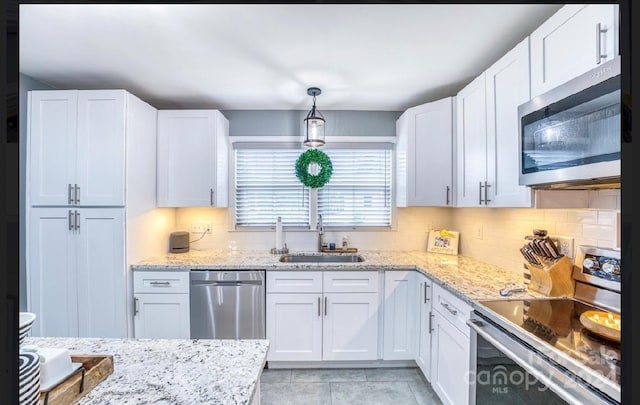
[[478, 327]]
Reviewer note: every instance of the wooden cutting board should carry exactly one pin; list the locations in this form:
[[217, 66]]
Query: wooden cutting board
[[97, 368]]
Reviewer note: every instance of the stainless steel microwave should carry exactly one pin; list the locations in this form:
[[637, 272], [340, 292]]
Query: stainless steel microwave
[[570, 136]]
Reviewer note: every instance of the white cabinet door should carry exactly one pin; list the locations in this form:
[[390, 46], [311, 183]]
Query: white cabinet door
[[423, 357], [77, 147], [471, 144], [574, 40], [400, 321], [294, 327], [101, 148], [450, 362], [101, 272], [189, 142], [350, 326], [162, 316], [77, 272], [507, 86], [52, 146], [52, 287], [425, 135]]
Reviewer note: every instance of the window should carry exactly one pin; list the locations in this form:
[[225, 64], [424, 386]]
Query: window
[[358, 194]]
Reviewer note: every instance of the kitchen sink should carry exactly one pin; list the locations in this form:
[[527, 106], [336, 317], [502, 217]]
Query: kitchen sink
[[321, 258]]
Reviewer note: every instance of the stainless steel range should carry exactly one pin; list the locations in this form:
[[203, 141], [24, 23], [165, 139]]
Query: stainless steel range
[[546, 350]]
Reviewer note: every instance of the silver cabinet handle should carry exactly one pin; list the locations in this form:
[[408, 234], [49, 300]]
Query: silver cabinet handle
[[448, 308], [160, 283], [480, 194], [135, 306], [77, 220], [211, 196], [599, 32], [71, 220], [448, 189], [325, 306], [486, 188], [319, 305], [430, 322], [426, 295], [71, 200], [77, 194]]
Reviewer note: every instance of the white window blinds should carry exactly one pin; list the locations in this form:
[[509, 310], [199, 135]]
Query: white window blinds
[[266, 187], [359, 192], [357, 195]]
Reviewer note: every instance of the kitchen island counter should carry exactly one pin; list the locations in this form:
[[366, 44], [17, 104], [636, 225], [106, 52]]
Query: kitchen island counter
[[171, 371]]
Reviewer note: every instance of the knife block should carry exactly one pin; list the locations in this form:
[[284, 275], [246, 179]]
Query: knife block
[[552, 279]]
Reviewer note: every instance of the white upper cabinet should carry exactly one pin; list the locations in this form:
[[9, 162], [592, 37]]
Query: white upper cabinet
[[192, 158], [471, 143], [424, 153], [76, 145], [574, 40], [507, 86], [487, 134]]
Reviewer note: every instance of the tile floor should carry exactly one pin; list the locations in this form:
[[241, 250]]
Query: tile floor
[[366, 386]]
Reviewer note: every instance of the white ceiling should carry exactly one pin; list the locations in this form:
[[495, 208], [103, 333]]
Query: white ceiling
[[265, 56]]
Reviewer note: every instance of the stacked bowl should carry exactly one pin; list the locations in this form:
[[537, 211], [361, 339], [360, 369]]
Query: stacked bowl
[[26, 321], [29, 366]]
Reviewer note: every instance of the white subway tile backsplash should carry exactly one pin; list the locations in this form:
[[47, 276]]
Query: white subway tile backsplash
[[607, 218], [569, 229], [555, 215], [607, 202], [583, 216], [599, 232]]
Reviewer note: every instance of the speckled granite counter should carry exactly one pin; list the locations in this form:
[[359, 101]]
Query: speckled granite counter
[[468, 278], [168, 371]]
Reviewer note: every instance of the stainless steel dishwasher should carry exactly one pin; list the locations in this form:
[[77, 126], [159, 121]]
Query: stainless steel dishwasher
[[227, 304]]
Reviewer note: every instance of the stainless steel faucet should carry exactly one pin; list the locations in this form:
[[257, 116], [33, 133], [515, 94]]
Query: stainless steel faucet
[[320, 232]]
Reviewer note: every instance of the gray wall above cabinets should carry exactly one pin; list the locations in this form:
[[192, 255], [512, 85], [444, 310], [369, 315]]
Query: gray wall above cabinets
[[289, 122]]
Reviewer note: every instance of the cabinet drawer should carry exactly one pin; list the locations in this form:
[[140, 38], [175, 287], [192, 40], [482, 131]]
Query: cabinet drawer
[[161, 282], [294, 282], [451, 308], [350, 281]]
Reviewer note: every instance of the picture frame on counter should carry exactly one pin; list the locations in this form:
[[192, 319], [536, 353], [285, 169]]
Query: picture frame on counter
[[443, 241]]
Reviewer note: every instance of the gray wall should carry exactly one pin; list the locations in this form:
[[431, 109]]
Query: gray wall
[[26, 83], [289, 122]]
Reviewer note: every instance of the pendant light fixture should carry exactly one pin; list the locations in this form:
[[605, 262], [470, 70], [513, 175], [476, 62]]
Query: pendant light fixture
[[314, 123]]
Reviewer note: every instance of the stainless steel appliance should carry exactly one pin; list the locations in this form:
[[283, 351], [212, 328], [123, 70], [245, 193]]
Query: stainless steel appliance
[[538, 351], [227, 304], [570, 136]]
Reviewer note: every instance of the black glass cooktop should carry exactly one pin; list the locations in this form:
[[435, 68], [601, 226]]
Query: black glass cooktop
[[557, 322]]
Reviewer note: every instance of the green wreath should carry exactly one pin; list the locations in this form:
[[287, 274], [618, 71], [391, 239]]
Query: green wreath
[[302, 168]]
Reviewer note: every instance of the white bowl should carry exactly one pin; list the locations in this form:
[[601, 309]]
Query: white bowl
[[26, 321]]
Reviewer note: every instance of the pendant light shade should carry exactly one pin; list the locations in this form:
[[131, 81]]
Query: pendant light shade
[[314, 123]]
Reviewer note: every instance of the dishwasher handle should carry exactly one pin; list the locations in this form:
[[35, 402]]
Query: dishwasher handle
[[226, 282]]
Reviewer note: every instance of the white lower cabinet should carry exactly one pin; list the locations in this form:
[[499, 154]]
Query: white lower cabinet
[[294, 327], [161, 305], [76, 278], [450, 348], [400, 295], [315, 316], [423, 356]]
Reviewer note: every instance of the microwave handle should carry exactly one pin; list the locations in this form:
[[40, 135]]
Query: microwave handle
[[599, 54]]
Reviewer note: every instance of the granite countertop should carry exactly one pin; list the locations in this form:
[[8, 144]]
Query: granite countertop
[[171, 371], [468, 278]]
